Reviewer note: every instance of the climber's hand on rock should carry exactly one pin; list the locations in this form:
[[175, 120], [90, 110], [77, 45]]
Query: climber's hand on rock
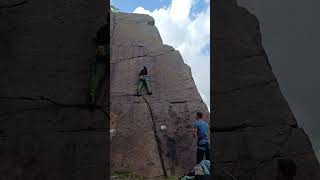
[[194, 132]]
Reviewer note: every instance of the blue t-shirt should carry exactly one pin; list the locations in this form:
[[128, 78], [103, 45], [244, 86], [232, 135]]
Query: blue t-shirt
[[202, 131]]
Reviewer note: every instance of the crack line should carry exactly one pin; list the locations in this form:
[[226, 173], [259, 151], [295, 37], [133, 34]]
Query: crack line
[[157, 138], [260, 54], [13, 5], [119, 60], [253, 85], [41, 98]]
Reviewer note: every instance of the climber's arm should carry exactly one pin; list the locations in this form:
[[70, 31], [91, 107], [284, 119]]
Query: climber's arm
[[194, 131]]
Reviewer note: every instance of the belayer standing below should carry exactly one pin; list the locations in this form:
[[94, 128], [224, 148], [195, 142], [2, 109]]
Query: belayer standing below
[[201, 130], [144, 81]]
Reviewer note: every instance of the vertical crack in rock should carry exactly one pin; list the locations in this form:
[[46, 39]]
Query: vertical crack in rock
[[156, 137]]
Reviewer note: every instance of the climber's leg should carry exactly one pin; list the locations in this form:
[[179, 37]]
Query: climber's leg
[[147, 84], [200, 154], [207, 153], [98, 72], [140, 85], [96, 78]]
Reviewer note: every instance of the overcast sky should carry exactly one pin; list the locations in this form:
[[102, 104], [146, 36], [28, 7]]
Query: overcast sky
[[291, 36], [185, 25]]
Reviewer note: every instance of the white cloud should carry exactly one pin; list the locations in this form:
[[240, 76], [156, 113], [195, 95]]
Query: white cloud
[[188, 35]]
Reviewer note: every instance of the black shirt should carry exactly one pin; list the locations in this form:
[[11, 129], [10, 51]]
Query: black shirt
[[143, 72], [101, 36]]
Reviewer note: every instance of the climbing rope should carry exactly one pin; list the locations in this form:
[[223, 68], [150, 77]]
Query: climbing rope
[[157, 137]]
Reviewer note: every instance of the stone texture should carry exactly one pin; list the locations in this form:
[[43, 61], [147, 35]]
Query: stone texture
[[47, 130], [139, 144], [253, 125]]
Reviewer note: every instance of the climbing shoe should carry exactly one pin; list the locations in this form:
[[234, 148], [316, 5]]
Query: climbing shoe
[[149, 93]]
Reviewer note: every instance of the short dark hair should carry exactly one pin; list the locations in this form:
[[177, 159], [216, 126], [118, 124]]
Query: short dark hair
[[199, 114]]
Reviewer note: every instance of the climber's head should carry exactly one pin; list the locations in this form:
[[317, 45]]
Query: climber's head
[[144, 67], [199, 115]]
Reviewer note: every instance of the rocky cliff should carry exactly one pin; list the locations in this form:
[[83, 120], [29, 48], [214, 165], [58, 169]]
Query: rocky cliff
[[139, 144], [253, 125], [47, 131]]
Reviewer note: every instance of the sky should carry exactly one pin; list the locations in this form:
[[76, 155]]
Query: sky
[[185, 25], [290, 36]]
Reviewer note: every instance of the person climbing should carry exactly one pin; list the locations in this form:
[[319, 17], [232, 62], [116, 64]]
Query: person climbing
[[200, 172], [201, 130], [102, 56], [286, 169], [144, 81]]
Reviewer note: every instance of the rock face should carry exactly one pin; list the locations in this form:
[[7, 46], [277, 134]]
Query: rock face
[[253, 125], [139, 144], [47, 131]]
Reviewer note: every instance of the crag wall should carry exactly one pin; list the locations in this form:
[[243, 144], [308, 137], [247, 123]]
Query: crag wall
[[253, 125]]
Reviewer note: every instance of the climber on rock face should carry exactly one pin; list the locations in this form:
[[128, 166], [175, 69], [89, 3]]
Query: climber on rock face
[[102, 56], [144, 81], [201, 130]]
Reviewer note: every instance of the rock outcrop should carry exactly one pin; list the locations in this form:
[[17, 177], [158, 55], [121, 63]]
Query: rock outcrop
[[139, 144], [47, 130], [253, 125]]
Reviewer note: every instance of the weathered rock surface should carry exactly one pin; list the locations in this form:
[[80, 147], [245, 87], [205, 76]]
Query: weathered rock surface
[[253, 125], [47, 131], [139, 144]]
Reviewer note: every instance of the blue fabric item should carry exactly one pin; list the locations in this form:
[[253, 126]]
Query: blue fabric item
[[202, 131], [187, 177], [205, 164]]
